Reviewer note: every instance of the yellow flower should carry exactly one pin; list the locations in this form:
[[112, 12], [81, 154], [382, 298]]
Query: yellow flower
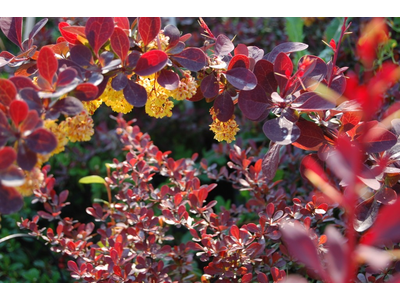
[[224, 131], [92, 106], [158, 104], [33, 180], [116, 100], [78, 128], [164, 42], [187, 88]]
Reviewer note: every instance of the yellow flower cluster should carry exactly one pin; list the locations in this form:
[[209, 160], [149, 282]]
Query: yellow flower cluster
[[224, 131], [308, 21], [33, 180], [187, 88], [78, 128], [164, 42], [158, 104], [115, 100], [92, 106]]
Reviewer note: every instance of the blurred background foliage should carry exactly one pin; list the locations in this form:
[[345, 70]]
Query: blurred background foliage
[[25, 259]]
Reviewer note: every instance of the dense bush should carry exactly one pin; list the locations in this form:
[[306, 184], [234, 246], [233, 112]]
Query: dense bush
[[304, 189]]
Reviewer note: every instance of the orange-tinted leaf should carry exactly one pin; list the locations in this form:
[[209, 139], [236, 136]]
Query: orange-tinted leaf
[[120, 43], [47, 64], [18, 111], [311, 136], [8, 92], [239, 60]]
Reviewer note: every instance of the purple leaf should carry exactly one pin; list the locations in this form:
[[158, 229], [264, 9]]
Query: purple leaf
[[81, 55], [192, 59], [178, 48], [66, 77], [119, 82], [26, 158], [224, 107], [241, 78], [311, 101], [264, 71], [12, 177], [253, 103], [41, 141], [12, 29], [209, 86], [10, 200], [271, 161], [7, 157], [338, 255], [135, 94], [173, 33], [223, 45], [288, 47], [281, 131], [69, 106], [168, 80]]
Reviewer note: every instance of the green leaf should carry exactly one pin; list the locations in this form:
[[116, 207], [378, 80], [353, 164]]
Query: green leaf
[[92, 179], [294, 30]]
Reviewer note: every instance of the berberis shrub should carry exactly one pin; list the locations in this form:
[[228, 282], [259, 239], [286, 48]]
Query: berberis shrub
[[330, 216]]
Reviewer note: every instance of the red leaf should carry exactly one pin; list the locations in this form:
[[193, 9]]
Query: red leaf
[[192, 59], [68, 36], [247, 277], [41, 141], [86, 92], [242, 78], [386, 227], [12, 29], [271, 161], [18, 111], [338, 255], [21, 82], [98, 30], [8, 92], [7, 157], [235, 232], [239, 61], [122, 22], [10, 200], [282, 65], [73, 267], [224, 107], [151, 62], [241, 49], [149, 28], [120, 43], [47, 64]]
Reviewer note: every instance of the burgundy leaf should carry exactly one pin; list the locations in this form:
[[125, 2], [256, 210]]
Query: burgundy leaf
[[120, 43], [288, 47], [209, 86], [12, 177], [386, 195], [8, 92], [38, 26], [378, 139], [338, 84], [41, 141], [66, 77], [81, 55], [10, 200], [366, 213], [262, 278], [301, 246], [26, 158], [31, 121], [282, 66], [119, 82], [151, 62], [18, 111], [241, 49], [149, 28], [47, 64], [311, 102], [223, 45], [281, 131], [192, 59], [168, 79], [122, 22], [12, 29], [253, 103], [224, 107], [5, 58], [178, 48], [98, 30], [135, 94], [271, 161], [241, 78], [255, 53], [21, 82], [311, 135], [264, 71], [7, 157], [69, 106], [173, 33], [386, 227], [338, 255], [315, 72]]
